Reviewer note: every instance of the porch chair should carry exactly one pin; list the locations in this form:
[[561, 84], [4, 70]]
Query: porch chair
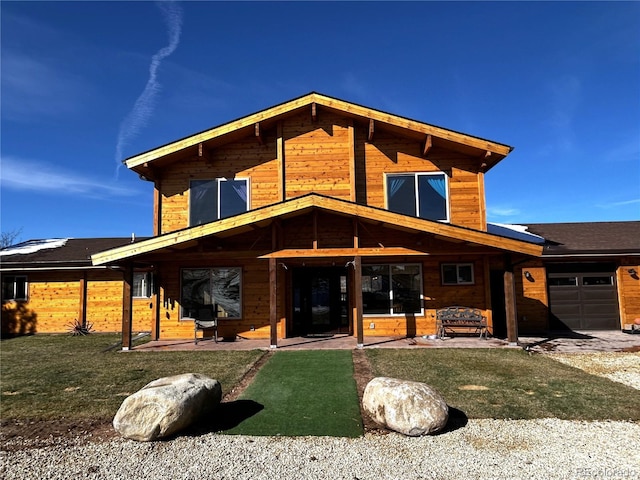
[[206, 318]]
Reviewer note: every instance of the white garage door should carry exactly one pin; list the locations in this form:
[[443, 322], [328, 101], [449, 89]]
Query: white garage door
[[584, 301]]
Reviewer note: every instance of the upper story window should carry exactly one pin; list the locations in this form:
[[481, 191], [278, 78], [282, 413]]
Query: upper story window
[[423, 195], [211, 200], [14, 287]]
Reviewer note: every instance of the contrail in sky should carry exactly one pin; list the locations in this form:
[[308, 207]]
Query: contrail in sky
[[143, 108]]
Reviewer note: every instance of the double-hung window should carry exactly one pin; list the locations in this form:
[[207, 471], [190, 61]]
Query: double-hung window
[[211, 200], [392, 289], [423, 195], [142, 285], [211, 286], [14, 287]]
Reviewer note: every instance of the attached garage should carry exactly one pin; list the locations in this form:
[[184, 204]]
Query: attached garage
[[581, 300], [592, 279]]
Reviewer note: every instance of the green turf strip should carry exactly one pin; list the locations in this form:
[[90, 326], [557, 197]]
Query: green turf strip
[[304, 393]]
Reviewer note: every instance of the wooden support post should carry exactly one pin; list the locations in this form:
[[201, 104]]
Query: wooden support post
[[155, 307], [510, 305], [273, 302], [82, 310], [357, 287], [127, 307], [315, 230]]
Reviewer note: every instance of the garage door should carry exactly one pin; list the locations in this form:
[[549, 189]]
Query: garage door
[[584, 301]]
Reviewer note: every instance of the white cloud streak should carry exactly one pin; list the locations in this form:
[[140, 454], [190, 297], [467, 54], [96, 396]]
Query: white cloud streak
[[144, 105], [28, 175]]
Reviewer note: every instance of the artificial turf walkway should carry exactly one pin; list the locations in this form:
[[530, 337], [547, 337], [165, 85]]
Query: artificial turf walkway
[[304, 393]]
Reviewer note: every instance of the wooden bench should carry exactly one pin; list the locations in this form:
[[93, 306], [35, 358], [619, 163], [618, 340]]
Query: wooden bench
[[460, 317], [206, 319]]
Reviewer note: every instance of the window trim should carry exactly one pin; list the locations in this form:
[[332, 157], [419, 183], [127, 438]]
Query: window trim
[[416, 176], [217, 181], [14, 297], [210, 269], [457, 265], [391, 291]]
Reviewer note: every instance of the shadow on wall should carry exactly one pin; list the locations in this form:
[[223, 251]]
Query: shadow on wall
[[17, 320]]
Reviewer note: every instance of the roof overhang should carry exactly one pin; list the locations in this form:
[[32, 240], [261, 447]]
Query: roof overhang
[[263, 217], [488, 152]]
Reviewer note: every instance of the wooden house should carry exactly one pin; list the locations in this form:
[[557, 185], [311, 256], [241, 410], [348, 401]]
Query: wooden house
[[319, 216], [50, 285]]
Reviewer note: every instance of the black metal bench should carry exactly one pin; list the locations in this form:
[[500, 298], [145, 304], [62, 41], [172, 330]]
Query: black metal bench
[[206, 318], [460, 317]]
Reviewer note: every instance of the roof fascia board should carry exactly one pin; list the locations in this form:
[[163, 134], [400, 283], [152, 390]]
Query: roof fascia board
[[325, 101], [298, 205]]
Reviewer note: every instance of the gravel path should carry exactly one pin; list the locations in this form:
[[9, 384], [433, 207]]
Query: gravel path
[[619, 367], [482, 449]]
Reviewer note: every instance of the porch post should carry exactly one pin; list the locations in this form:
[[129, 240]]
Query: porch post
[[357, 287], [510, 305], [127, 281], [82, 310], [273, 304]]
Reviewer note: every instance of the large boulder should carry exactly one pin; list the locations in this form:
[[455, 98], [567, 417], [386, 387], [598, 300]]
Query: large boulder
[[166, 406], [411, 408]]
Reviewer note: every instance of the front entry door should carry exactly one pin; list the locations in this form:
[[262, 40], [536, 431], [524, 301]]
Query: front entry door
[[320, 301]]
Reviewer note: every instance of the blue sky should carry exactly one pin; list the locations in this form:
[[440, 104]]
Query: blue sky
[[85, 84]]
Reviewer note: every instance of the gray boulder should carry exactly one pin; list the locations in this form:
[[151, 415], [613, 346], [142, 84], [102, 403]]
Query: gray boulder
[[166, 406], [411, 408]]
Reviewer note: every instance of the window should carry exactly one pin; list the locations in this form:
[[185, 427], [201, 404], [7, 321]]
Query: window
[[211, 200], [422, 195], [208, 286], [142, 285], [391, 289], [457, 274], [563, 281], [14, 287]]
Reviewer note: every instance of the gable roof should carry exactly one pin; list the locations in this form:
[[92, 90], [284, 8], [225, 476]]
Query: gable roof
[[56, 253], [589, 238], [264, 216], [488, 151]]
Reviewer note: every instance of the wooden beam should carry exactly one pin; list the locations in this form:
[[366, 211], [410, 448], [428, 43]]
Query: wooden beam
[[282, 188], [371, 130], [258, 133], [428, 143], [127, 306], [510, 304], [315, 229], [82, 310], [342, 252], [314, 112], [352, 163], [273, 302], [358, 303]]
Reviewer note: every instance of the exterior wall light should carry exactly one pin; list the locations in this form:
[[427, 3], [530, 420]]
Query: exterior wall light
[[528, 276], [632, 272]]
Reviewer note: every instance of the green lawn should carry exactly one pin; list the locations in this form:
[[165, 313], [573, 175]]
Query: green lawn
[[297, 392], [55, 376], [304, 393], [509, 384]]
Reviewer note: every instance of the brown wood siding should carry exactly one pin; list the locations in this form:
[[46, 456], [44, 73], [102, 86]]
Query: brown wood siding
[[389, 154], [317, 155], [532, 298], [628, 291], [244, 159], [55, 303]]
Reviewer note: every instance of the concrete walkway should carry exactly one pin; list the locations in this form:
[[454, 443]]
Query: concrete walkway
[[565, 342]]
